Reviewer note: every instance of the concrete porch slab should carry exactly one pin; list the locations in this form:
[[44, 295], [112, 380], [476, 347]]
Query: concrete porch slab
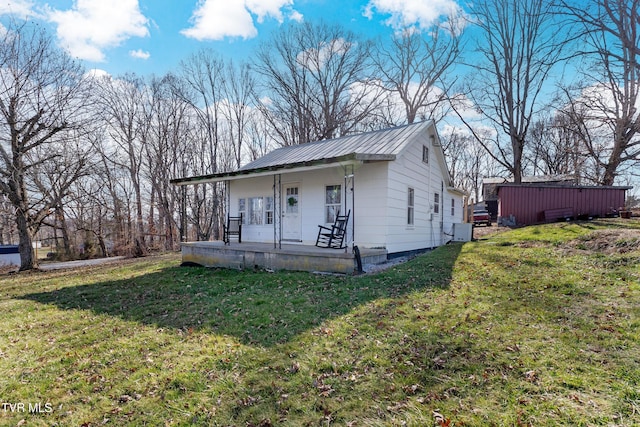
[[290, 257]]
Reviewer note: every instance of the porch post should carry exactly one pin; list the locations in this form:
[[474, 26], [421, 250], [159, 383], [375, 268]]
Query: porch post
[[184, 235], [227, 201], [353, 206], [277, 212], [350, 177]]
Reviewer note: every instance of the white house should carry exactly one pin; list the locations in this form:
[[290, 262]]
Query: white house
[[394, 183]]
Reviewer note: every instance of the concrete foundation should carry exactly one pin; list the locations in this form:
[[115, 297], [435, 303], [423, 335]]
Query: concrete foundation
[[265, 256]]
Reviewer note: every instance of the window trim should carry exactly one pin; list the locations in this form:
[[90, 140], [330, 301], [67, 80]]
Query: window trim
[[336, 205], [256, 216], [411, 206]]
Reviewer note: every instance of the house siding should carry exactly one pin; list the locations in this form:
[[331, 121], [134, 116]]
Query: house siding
[[426, 179], [371, 195], [312, 186], [378, 203]]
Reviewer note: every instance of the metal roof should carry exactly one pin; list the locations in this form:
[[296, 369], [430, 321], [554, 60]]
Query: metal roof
[[530, 179], [382, 145]]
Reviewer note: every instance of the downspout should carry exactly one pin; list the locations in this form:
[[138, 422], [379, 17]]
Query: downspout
[[442, 207], [275, 205]]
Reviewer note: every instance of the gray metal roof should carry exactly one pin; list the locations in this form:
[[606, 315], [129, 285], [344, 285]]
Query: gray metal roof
[[382, 145]]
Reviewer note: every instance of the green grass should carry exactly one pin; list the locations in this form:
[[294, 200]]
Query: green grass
[[524, 328]]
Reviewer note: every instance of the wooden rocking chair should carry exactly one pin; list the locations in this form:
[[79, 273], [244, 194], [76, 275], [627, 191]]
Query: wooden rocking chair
[[232, 228], [333, 237]]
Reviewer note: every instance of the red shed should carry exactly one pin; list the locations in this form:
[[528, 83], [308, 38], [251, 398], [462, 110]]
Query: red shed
[[536, 203]]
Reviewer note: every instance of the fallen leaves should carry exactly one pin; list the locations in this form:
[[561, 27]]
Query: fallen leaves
[[440, 419]]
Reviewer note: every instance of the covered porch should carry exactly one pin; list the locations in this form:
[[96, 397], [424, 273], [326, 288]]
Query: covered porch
[[295, 257]]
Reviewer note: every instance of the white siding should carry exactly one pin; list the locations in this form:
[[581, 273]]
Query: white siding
[[312, 201], [430, 228], [380, 195], [449, 219], [371, 206]]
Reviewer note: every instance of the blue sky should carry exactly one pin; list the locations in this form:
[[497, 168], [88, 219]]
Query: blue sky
[[152, 36]]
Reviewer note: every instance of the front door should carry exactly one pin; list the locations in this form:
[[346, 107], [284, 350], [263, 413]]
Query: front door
[[291, 224]]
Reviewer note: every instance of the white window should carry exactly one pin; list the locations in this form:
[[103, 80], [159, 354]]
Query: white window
[[436, 203], [255, 210], [268, 210], [332, 202], [410, 206], [453, 207], [425, 154]]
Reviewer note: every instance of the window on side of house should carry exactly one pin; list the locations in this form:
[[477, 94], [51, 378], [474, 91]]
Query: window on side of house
[[255, 210], [410, 206], [268, 210], [332, 202], [425, 154], [436, 203], [453, 207]]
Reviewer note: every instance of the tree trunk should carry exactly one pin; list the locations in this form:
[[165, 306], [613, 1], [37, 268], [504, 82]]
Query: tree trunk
[[28, 259]]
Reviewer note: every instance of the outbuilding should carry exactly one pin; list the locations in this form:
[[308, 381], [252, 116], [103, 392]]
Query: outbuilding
[[525, 204], [9, 256]]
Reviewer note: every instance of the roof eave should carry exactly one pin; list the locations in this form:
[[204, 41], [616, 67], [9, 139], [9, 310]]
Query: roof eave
[[289, 167]]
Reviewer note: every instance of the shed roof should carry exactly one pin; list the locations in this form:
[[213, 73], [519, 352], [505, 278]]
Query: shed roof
[[381, 145], [537, 179]]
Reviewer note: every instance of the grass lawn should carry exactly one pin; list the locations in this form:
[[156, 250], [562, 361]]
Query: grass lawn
[[536, 326]]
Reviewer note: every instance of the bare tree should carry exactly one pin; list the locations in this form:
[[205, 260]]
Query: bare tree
[[316, 82], [56, 182], [204, 77], [520, 48], [112, 191], [7, 221], [239, 90], [415, 64], [467, 161], [203, 73], [608, 98], [42, 94], [121, 103], [167, 134], [555, 148]]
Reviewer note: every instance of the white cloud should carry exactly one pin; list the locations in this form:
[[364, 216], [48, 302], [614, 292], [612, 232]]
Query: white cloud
[[97, 73], [296, 16], [316, 58], [21, 8], [94, 25], [140, 54], [412, 13], [217, 19]]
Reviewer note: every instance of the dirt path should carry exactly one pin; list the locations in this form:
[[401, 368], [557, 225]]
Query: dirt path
[[78, 263]]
